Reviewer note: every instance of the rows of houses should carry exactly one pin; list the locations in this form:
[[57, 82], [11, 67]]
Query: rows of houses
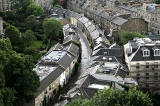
[[141, 55], [146, 10], [106, 71], [56, 67], [111, 20]]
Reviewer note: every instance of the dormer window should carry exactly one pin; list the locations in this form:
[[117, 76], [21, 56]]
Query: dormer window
[[157, 52], [146, 53]]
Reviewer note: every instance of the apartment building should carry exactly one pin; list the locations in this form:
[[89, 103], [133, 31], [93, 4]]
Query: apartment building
[[142, 56]]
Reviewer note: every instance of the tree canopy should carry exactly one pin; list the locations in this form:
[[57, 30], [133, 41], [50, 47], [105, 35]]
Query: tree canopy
[[111, 97], [52, 29], [126, 36], [17, 80], [35, 10], [13, 34]]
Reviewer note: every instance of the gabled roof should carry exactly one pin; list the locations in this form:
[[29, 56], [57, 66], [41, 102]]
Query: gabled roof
[[117, 52], [73, 49], [101, 45], [119, 21], [70, 38], [66, 60]]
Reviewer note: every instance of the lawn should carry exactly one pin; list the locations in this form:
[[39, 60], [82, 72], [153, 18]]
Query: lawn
[[37, 44]]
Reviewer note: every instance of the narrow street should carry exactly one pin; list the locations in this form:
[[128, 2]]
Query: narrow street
[[85, 63]]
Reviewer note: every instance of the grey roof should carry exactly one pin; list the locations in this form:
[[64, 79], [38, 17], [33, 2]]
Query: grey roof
[[105, 58], [101, 45], [49, 79], [138, 56], [94, 34], [105, 77], [117, 52], [58, 46], [91, 28], [119, 21], [70, 38], [66, 60], [73, 49]]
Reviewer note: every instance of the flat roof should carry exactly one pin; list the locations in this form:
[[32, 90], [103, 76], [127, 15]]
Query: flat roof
[[54, 56], [43, 71], [98, 86]]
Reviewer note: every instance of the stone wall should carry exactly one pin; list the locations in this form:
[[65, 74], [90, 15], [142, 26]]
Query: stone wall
[[135, 25]]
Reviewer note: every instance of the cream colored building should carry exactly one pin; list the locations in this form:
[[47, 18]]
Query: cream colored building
[[143, 59]]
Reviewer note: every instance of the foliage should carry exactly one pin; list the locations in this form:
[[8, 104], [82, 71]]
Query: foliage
[[35, 10], [28, 38], [52, 29], [56, 2], [19, 76], [13, 34], [121, 98], [17, 80], [80, 102], [157, 1], [20, 5], [36, 44], [126, 36], [31, 23]]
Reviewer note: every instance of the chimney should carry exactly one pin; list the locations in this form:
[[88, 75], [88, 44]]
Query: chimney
[[157, 7]]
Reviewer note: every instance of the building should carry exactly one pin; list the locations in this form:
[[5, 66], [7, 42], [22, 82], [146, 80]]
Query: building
[[55, 68], [142, 56], [5, 5]]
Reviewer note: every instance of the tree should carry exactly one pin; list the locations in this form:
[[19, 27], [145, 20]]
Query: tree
[[157, 1], [19, 76], [35, 10], [32, 23], [112, 97], [20, 5], [28, 38], [81, 102], [126, 36], [52, 29], [13, 34], [56, 2]]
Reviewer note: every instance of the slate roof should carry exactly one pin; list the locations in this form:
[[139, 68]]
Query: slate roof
[[73, 49], [117, 52], [49, 79], [70, 38], [66, 60], [95, 34], [101, 45], [119, 21], [138, 56], [58, 46]]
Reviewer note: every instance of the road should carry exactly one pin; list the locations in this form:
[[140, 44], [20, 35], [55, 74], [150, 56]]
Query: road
[[85, 63]]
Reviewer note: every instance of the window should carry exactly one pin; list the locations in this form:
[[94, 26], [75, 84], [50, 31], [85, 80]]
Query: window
[[155, 65], [146, 53], [138, 74], [157, 52], [147, 73], [147, 65], [147, 77]]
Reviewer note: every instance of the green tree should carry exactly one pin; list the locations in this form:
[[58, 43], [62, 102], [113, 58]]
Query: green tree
[[81, 102], [35, 10], [28, 38], [32, 23], [157, 1], [112, 97], [52, 29], [56, 2], [13, 34], [126, 36], [19, 76]]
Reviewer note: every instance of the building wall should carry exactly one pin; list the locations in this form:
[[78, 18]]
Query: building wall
[[49, 92], [135, 25]]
